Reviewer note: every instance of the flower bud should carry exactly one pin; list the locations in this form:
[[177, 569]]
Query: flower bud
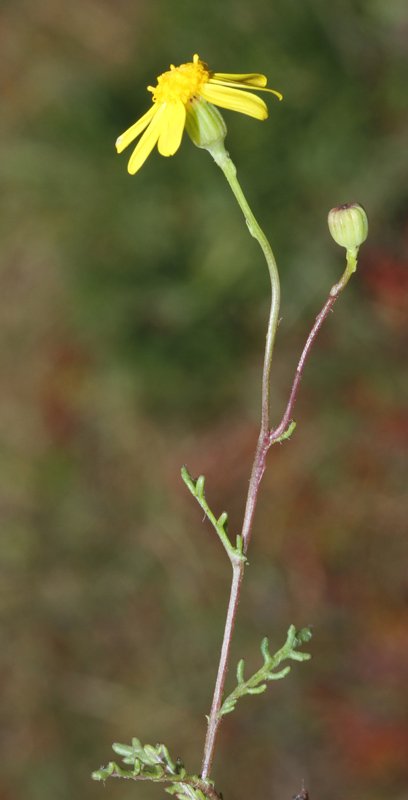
[[204, 124], [348, 225]]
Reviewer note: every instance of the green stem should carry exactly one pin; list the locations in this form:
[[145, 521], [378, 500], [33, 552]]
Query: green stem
[[351, 266], [223, 160]]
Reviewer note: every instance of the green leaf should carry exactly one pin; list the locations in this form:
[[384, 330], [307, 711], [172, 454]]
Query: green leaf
[[222, 520], [286, 434], [269, 671], [199, 487], [257, 689], [240, 671], [153, 762], [123, 749], [104, 772], [220, 524], [265, 649], [276, 676]]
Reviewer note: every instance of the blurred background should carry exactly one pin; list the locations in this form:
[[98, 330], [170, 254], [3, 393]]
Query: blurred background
[[133, 315]]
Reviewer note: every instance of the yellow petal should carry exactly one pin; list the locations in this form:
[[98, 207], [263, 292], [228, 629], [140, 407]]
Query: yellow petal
[[235, 100], [249, 78], [245, 86], [146, 142], [128, 136], [172, 128]]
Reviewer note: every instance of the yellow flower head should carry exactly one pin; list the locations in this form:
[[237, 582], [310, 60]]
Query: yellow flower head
[[173, 96]]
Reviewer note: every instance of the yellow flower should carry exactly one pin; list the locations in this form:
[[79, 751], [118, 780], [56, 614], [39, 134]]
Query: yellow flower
[[176, 90]]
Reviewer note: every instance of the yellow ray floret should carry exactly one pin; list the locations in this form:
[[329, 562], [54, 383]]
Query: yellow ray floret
[[175, 91]]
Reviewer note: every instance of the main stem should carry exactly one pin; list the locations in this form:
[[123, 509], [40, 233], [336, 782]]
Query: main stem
[[224, 162], [266, 437]]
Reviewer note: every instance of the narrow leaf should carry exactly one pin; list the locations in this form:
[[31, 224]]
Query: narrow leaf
[[276, 676], [199, 487], [104, 772], [151, 754], [265, 650], [240, 671], [123, 749], [257, 689], [291, 638], [288, 433], [222, 520], [296, 656], [188, 479]]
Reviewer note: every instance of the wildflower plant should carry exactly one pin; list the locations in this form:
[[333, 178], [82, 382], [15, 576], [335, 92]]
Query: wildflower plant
[[186, 97]]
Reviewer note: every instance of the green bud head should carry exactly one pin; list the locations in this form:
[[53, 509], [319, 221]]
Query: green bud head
[[204, 124], [348, 225]]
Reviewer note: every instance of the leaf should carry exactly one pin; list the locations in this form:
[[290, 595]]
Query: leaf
[[276, 676], [257, 683], [123, 749], [222, 520], [153, 762], [265, 649], [240, 671], [257, 689], [199, 487]]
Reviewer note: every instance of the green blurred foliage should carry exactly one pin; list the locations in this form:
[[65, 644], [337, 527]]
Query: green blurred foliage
[[133, 314]]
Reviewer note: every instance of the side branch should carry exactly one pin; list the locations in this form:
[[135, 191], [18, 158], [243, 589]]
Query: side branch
[[277, 433], [335, 292], [195, 783]]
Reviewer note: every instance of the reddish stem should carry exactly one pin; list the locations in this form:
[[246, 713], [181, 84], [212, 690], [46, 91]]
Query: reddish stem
[[277, 432], [265, 440]]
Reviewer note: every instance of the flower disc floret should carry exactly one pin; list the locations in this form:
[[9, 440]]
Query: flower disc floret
[[180, 83], [176, 95]]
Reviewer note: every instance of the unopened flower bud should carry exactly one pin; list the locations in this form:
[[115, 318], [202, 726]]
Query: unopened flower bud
[[204, 124], [348, 225]]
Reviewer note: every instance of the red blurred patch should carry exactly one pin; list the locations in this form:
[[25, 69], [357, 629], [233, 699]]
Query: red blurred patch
[[60, 397], [372, 747], [386, 277]]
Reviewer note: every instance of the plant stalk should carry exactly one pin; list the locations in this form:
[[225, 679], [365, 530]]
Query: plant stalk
[[267, 436], [224, 162]]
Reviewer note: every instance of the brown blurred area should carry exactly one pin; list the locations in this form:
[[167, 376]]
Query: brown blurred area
[[133, 313]]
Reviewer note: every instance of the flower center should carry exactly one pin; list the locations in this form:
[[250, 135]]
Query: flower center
[[180, 83]]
